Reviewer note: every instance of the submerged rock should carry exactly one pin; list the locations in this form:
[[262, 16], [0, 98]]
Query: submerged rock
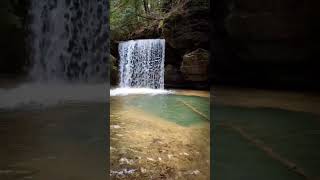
[[143, 170], [126, 161], [122, 172], [195, 172], [115, 126], [150, 159]]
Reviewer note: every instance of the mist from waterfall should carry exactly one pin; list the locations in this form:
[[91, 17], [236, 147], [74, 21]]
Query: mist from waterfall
[[142, 63], [69, 40]]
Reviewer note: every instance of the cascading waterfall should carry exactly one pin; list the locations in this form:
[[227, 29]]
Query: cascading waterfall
[[69, 43], [69, 40], [142, 63]]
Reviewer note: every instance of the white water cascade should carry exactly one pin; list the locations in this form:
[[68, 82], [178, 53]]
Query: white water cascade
[[69, 53], [141, 67], [142, 63], [69, 40]]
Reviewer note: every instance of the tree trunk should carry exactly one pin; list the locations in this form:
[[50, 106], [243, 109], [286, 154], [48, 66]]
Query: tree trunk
[[146, 8]]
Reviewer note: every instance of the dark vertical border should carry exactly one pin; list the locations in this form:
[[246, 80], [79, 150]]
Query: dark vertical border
[[211, 89], [107, 119]]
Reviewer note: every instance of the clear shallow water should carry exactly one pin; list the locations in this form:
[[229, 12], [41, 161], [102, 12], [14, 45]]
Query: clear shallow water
[[293, 135], [157, 136], [173, 107]]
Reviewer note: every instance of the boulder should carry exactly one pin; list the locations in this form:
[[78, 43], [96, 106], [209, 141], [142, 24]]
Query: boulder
[[194, 66]]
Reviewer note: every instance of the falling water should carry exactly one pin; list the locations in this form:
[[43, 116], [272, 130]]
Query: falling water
[[142, 63], [69, 43], [69, 40]]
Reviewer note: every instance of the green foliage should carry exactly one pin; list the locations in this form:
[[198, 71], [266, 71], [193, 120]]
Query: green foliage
[[127, 16]]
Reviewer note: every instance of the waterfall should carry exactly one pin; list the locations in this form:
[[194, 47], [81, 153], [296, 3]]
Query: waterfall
[[142, 63], [69, 40]]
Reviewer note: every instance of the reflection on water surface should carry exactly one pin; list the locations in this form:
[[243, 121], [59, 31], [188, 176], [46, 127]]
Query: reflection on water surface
[[50, 137]]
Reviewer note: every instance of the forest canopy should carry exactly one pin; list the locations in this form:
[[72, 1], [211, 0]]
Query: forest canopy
[[127, 16]]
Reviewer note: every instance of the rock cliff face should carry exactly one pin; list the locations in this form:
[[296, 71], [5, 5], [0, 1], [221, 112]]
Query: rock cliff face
[[264, 42], [187, 28]]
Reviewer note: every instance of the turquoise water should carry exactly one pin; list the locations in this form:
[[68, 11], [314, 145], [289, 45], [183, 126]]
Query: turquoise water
[[172, 108], [234, 158], [292, 134]]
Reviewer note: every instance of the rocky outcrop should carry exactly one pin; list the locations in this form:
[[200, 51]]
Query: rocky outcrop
[[195, 65], [187, 28], [186, 31]]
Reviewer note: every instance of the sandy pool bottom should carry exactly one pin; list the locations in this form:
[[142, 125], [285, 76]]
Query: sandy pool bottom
[[144, 146]]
